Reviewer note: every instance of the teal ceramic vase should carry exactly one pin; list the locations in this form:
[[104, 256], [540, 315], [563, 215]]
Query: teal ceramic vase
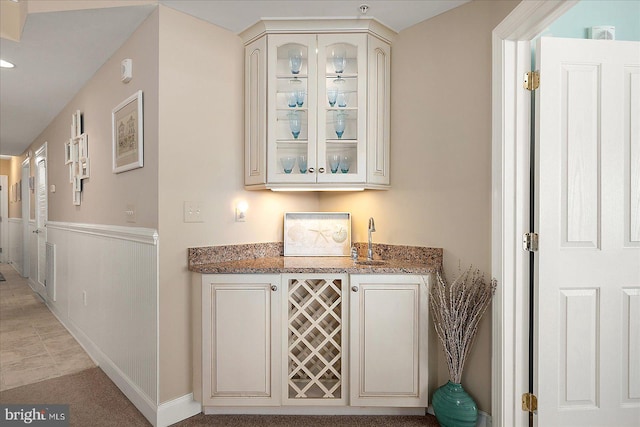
[[454, 407]]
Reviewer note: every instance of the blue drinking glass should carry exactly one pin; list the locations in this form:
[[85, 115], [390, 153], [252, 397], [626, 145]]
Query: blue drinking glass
[[332, 94], [287, 163], [295, 61], [302, 163], [294, 123], [340, 122], [345, 162], [334, 162], [300, 97]]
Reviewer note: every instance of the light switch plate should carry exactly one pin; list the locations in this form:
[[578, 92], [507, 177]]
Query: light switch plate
[[193, 212], [130, 213]]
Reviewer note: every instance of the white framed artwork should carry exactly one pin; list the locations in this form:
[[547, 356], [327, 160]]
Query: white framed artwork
[[127, 134]]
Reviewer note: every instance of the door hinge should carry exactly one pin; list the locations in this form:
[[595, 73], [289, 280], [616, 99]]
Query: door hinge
[[529, 402], [532, 80], [530, 242]]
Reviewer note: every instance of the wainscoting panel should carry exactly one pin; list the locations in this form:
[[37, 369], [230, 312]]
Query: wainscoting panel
[[107, 290], [15, 243]]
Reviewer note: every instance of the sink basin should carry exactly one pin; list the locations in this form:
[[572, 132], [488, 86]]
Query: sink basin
[[370, 262]]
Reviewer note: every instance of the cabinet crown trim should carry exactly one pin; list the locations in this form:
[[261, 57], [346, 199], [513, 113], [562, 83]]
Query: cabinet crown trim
[[317, 26]]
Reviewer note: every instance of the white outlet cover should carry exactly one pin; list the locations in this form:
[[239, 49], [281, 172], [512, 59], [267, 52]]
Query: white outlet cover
[[603, 32]]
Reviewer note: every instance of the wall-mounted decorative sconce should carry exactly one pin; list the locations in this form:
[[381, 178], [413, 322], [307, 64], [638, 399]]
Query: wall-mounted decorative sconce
[[241, 211]]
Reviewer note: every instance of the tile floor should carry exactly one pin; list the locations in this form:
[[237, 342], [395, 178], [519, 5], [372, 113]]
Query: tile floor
[[34, 345]]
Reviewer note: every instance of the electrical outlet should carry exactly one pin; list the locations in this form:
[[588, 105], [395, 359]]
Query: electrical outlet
[[193, 212]]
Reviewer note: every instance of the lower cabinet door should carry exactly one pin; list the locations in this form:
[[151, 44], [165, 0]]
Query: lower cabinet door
[[388, 340], [241, 340]]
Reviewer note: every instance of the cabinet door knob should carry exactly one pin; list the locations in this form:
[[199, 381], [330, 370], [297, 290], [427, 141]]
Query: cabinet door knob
[[311, 170], [274, 288], [354, 288], [321, 170]]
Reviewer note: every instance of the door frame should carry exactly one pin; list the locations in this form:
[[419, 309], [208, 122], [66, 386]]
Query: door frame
[[4, 218], [511, 125], [25, 204]]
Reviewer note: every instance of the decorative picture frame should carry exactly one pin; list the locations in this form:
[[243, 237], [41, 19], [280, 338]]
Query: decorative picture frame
[[67, 152], [83, 146], [317, 233], [19, 190], [127, 134], [83, 168]]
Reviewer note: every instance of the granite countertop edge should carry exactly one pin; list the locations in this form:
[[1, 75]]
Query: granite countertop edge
[[267, 258]]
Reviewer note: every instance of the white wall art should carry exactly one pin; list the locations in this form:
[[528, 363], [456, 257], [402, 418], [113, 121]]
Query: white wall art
[[76, 155]]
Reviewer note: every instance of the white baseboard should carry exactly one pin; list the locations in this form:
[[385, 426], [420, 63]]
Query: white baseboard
[[310, 410], [177, 410], [130, 390], [484, 419]]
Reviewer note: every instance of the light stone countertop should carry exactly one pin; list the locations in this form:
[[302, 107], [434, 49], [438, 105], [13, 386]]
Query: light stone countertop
[[266, 258]]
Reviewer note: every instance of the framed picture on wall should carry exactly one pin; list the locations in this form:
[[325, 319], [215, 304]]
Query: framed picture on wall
[[127, 134], [67, 152]]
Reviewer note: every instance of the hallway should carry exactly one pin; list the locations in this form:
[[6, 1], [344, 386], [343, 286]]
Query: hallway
[[34, 346]]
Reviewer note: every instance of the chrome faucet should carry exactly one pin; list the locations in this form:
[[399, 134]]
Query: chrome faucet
[[372, 228]]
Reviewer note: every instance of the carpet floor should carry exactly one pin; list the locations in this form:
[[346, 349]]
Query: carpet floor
[[96, 401]]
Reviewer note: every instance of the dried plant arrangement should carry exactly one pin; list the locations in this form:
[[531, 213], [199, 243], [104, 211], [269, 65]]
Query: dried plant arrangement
[[456, 310]]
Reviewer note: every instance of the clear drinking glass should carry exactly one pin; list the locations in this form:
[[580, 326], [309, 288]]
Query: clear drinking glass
[[339, 123], [302, 163], [339, 58], [345, 162], [334, 162], [300, 97], [294, 123], [295, 60], [292, 98], [332, 94], [342, 98], [287, 163]]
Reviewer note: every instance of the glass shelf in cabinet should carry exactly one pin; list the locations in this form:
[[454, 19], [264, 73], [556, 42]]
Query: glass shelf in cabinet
[[291, 76], [342, 142], [341, 76]]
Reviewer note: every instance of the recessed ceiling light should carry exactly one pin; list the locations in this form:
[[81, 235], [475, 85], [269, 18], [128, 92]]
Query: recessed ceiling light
[[6, 64]]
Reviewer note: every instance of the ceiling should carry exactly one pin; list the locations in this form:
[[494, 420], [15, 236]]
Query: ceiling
[[61, 50]]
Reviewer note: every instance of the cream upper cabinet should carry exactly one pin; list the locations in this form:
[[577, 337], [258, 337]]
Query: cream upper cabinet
[[317, 105]]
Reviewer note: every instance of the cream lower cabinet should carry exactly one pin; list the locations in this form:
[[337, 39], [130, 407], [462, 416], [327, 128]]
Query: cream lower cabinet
[[312, 340], [241, 340], [388, 340]]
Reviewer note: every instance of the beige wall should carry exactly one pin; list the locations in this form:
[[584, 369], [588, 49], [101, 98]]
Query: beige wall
[[105, 195], [440, 156], [13, 169], [201, 159]]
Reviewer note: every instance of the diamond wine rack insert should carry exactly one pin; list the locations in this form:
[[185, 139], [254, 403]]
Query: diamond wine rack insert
[[314, 338]]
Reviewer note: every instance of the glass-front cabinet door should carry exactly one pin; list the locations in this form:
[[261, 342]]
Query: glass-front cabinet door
[[292, 108], [342, 87], [317, 105]]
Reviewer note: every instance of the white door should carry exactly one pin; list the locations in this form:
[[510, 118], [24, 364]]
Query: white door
[[41, 211], [587, 347]]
